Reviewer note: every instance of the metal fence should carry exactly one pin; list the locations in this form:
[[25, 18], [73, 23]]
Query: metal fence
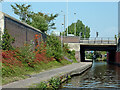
[[99, 40]]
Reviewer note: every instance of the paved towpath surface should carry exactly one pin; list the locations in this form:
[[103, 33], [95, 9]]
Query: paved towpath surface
[[46, 75]]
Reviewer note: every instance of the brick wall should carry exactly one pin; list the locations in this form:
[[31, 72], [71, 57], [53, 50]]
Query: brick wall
[[21, 32], [70, 39], [118, 57]]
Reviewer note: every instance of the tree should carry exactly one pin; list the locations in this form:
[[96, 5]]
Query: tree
[[39, 22], [49, 19], [7, 41], [80, 28], [23, 11]]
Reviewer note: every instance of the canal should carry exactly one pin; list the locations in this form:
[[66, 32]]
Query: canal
[[101, 76]]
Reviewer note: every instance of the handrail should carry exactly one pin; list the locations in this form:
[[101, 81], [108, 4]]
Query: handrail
[[99, 40]]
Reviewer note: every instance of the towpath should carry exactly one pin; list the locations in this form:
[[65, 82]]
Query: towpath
[[75, 68]]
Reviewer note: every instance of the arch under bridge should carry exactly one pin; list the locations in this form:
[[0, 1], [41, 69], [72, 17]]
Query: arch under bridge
[[80, 45]]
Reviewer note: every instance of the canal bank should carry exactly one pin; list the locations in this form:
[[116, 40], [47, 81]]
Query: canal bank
[[69, 70], [101, 76]]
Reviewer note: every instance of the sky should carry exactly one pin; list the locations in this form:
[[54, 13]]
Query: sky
[[101, 17]]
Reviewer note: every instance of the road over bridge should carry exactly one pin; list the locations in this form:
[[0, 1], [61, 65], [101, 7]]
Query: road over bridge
[[80, 45]]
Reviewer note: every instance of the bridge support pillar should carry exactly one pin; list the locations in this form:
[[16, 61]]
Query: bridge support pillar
[[112, 57], [118, 58], [82, 55]]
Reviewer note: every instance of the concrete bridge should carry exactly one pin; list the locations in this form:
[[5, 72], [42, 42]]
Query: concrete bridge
[[80, 45]]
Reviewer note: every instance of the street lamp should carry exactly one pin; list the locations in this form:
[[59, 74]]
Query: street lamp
[[64, 22], [61, 37], [67, 17], [75, 25]]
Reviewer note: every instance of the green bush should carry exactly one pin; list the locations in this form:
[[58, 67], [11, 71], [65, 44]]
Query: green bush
[[42, 85], [26, 55], [7, 41], [67, 52], [54, 47], [54, 82]]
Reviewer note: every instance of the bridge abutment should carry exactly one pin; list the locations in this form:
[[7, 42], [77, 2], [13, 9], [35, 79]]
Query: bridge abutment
[[118, 58], [77, 55], [111, 57]]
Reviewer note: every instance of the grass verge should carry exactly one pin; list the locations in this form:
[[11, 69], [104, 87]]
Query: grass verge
[[30, 71]]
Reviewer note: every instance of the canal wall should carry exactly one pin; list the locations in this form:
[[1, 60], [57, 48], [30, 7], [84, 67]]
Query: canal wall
[[62, 72]]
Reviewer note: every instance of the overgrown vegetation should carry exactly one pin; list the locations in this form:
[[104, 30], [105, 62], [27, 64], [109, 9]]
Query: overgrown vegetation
[[7, 41], [54, 47], [19, 62], [53, 84]]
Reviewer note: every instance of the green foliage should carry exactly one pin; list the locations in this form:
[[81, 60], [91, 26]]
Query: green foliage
[[7, 71], [0, 40], [54, 82], [49, 19], [26, 54], [54, 47], [69, 77], [67, 52], [55, 50], [7, 41], [23, 11], [80, 27], [42, 85], [39, 22], [23, 71], [89, 56]]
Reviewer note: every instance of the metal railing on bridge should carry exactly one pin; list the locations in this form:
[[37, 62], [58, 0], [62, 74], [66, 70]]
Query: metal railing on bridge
[[99, 40]]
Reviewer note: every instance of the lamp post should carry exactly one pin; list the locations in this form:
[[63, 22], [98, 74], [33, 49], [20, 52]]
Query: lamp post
[[61, 37], [64, 22], [75, 25], [67, 17], [64, 25]]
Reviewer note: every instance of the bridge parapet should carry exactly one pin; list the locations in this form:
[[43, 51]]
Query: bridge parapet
[[99, 40], [91, 40]]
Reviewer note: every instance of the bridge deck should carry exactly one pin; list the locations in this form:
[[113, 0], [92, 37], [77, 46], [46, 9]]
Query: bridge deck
[[91, 40]]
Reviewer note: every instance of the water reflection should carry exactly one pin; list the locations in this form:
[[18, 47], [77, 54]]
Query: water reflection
[[101, 75]]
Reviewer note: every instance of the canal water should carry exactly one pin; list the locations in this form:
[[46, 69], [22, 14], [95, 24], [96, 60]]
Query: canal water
[[100, 76]]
